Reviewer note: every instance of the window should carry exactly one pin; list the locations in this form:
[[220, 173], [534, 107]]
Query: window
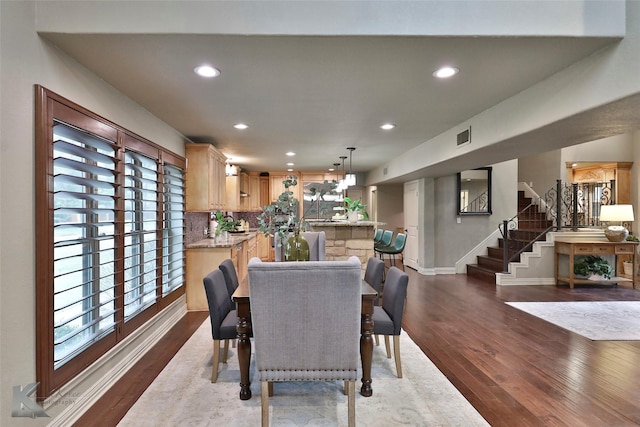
[[110, 223]]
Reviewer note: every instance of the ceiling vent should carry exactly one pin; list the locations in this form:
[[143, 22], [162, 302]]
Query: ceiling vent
[[464, 137]]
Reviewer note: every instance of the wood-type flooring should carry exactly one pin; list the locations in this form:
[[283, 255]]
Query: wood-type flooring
[[515, 369]]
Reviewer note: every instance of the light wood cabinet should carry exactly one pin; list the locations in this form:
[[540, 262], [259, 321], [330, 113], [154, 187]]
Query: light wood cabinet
[[250, 184], [264, 247], [205, 186], [232, 193], [276, 187], [265, 194], [199, 263]]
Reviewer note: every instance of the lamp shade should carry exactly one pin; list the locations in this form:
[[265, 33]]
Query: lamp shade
[[350, 179], [616, 213]]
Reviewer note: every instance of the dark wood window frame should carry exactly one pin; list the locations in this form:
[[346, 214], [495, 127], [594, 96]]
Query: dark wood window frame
[[53, 110]]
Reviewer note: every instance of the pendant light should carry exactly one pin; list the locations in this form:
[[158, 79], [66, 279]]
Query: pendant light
[[342, 184], [350, 178]]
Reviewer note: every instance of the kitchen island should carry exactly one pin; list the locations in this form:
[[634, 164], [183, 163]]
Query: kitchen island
[[345, 239]]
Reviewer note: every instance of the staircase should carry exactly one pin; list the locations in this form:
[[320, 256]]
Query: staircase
[[531, 222]]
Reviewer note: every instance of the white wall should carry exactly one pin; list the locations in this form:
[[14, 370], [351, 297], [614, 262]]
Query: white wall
[[26, 61]]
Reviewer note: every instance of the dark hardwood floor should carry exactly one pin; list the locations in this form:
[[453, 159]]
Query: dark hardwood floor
[[515, 369]]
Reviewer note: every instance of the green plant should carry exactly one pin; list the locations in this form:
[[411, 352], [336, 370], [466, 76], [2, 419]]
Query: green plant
[[592, 264], [282, 217], [355, 206], [632, 238], [224, 223]]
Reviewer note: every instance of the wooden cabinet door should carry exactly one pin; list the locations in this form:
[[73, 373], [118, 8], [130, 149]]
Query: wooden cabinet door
[[265, 197], [205, 178]]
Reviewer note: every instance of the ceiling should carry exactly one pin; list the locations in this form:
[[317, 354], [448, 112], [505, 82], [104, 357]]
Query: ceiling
[[318, 95]]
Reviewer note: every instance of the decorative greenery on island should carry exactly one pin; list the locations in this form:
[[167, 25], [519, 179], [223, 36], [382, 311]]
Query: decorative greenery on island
[[355, 206]]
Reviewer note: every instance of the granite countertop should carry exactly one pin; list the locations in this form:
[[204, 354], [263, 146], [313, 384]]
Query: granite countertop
[[232, 240], [343, 223]]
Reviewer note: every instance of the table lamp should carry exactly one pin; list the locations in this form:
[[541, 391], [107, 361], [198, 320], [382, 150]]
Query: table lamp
[[616, 214]]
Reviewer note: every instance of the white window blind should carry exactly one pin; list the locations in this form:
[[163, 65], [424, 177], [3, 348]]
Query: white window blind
[[173, 230], [84, 203], [141, 233]]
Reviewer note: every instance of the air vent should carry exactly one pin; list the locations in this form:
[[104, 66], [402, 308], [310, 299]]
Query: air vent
[[464, 137], [384, 171]]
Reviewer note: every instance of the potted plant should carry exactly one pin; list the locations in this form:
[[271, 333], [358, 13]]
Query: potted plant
[[592, 266], [223, 224], [354, 208]]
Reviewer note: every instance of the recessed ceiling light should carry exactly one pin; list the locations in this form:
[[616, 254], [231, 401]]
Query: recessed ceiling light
[[240, 126], [206, 71], [290, 164], [289, 170], [387, 126], [290, 154], [445, 72], [331, 169]]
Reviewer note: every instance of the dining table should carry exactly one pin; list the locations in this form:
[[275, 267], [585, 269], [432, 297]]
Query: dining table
[[243, 328]]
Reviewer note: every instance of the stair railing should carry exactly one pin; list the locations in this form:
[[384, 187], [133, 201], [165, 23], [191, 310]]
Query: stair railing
[[571, 206]]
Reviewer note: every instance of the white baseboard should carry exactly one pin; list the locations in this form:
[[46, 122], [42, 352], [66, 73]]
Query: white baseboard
[[129, 354]]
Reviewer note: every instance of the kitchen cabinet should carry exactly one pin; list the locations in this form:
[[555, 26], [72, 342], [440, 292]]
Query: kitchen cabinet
[[205, 256], [232, 193], [250, 184], [263, 244], [276, 187], [205, 185], [265, 196]]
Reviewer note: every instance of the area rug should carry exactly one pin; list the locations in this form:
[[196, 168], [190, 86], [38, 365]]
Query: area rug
[[184, 395], [596, 320]]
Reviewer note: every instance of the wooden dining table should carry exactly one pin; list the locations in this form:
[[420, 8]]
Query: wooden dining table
[[243, 307]]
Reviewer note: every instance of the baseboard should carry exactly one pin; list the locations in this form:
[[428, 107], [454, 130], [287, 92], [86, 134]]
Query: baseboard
[[507, 279], [129, 351]]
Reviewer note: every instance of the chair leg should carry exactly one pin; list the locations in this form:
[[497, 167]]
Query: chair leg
[[216, 359], [377, 339], [225, 354], [264, 394], [351, 403], [396, 353], [387, 346]]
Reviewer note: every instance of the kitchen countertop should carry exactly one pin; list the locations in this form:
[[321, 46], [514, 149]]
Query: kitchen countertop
[[232, 240], [343, 223]]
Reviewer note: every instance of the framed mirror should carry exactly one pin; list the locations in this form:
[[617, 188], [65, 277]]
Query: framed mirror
[[474, 192]]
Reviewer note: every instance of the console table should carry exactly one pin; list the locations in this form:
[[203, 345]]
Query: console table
[[595, 248]]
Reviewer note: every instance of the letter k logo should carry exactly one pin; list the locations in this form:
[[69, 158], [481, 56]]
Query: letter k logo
[[22, 405]]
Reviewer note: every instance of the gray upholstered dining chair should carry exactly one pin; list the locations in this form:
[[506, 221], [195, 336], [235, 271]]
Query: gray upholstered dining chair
[[387, 319], [306, 324], [373, 275], [230, 275], [316, 240], [222, 315]]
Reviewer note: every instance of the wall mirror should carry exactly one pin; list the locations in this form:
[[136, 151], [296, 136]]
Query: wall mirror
[[474, 192]]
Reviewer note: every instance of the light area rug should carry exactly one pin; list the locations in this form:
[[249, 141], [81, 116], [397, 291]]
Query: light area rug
[[596, 320], [183, 394]]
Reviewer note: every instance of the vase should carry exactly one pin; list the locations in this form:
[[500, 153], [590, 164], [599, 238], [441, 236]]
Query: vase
[[296, 248], [352, 216]]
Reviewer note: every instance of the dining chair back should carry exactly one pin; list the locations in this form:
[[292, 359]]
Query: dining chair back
[[387, 319], [230, 275], [306, 324], [373, 275], [222, 315]]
